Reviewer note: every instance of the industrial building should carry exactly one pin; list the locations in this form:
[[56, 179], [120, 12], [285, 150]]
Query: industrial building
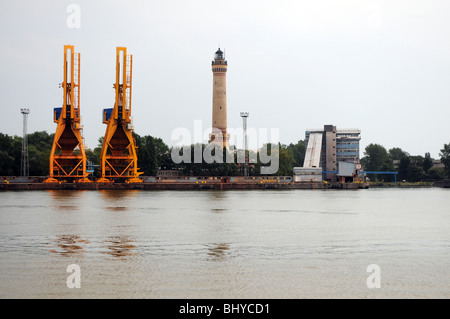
[[328, 147]]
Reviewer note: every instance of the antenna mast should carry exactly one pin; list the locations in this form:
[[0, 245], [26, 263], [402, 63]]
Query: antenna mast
[[244, 116]]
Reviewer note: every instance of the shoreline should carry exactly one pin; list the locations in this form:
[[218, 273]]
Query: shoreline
[[400, 185], [210, 184], [181, 186]]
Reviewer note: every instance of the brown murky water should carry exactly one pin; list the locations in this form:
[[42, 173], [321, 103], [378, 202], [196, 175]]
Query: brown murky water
[[231, 244]]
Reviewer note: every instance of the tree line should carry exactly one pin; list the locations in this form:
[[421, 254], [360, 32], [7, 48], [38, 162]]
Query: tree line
[[39, 147], [410, 168], [154, 155], [232, 162]]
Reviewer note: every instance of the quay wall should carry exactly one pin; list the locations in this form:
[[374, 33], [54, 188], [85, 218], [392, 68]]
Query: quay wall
[[179, 186]]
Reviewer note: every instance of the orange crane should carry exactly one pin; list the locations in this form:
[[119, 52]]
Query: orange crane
[[118, 159], [67, 157]]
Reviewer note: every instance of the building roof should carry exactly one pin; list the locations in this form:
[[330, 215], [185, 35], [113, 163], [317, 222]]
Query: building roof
[[338, 131]]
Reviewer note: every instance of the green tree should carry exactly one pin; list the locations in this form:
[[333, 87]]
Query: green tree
[[397, 153], [377, 159], [436, 173], [445, 158], [94, 155], [41, 140], [298, 152], [151, 152], [286, 161], [39, 148], [417, 173], [5, 142], [38, 160], [427, 162], [404, 168], [411, 169], [6, 158], [16, 153], [6, 164]]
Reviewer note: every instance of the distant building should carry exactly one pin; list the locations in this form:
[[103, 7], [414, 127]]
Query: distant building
[[437, 163], [168, 173], [326, 147], [307, 174]]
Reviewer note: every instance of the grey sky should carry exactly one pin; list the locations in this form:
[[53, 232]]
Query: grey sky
[[380, 66]]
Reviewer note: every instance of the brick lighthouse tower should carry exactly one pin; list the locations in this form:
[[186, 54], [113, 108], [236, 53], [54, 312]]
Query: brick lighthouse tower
[[219, 112]]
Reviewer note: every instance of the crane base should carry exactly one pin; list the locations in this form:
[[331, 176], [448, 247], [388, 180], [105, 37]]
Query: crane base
[[104, 180], [84, 180], [51, 180], [134, 180]]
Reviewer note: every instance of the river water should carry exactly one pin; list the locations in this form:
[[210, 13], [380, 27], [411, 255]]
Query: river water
[[226, 244]]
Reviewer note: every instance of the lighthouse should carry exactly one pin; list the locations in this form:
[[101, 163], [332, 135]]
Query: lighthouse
[[219, 108]]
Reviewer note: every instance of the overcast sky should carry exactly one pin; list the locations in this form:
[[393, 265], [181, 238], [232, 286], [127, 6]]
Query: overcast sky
[[380, 66]]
